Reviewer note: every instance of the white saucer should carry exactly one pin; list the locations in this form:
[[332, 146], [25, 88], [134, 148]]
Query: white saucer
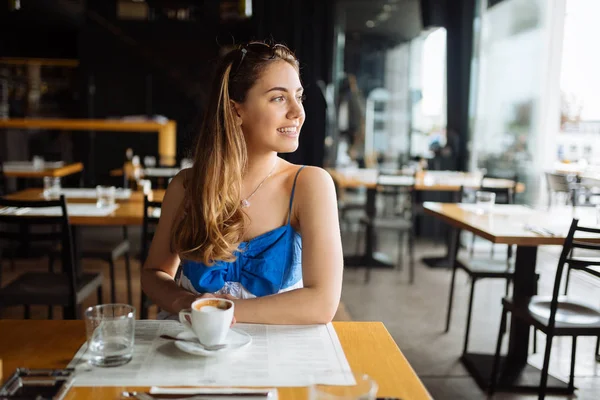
[[235, 340]]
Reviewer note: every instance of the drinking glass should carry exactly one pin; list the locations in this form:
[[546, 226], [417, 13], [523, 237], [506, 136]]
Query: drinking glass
[[363, 388], [105, 196], [484, 202], [146, 186], [110, 331], [52, 188], [150, 161], [38, 162]]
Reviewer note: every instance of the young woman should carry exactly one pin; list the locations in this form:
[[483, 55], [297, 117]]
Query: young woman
[[243, 223]]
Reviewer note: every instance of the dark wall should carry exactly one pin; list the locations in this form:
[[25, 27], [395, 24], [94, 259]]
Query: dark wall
[[307, 28], [169, 69], [164, 67]]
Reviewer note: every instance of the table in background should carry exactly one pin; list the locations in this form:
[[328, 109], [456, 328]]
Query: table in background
[[507, 225], [48, 171], [167, 132], [368, 346], [129, 212], [424, 181]]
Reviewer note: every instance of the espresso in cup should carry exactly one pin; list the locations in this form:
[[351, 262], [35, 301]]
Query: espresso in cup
[[210, 319], [212, 305]]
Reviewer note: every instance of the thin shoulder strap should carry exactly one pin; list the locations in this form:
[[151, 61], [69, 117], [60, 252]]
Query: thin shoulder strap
[[292, 196]]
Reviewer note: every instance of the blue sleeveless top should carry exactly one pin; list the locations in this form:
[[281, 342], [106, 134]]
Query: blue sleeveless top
[[267, 264]]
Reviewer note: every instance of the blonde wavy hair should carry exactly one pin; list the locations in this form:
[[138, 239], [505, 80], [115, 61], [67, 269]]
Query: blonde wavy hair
[[210, 223]]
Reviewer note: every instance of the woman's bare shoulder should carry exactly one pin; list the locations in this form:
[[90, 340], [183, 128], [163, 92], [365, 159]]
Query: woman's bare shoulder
[[310, 176], [176, 189], [312, 182]]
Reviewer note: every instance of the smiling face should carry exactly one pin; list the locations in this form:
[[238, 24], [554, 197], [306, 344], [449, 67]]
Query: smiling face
[[272, 114]]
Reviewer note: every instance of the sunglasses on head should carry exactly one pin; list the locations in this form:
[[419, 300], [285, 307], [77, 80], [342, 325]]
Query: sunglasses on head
[[262, 50]]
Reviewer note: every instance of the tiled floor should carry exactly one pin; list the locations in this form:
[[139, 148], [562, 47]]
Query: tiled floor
[[415, 316]]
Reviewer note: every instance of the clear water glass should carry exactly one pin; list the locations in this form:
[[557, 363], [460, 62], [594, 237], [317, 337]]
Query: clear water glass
[[150, 161], [146, 186], [484, 202], [105, 196], [38, 162], [110, 331], [363, 388], [52, 188]]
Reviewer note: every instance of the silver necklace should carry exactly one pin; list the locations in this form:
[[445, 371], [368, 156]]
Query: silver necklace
[[246, 202]]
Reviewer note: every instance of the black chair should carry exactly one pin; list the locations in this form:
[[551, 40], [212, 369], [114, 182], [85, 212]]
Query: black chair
[[151, 217], [109, 251], [67, 289], [346, 205], [481, 268], [401, 222], [556, 315], [589, 269]]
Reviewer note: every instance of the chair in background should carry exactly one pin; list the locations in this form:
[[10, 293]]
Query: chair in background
[[401, 221], [558, 185], [109, 251], [151, 217], [584, 201], [556, 315], [67, 289], [347, 204], [481, 268], [588, 187]]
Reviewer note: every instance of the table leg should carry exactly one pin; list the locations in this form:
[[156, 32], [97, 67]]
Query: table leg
[[370, 259], [515, 373], [445, 261]]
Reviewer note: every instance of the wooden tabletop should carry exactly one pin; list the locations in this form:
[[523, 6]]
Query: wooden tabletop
[[167, 135], [368, 346], [442, 181], [65, 170], [507, 223], [129, 212]]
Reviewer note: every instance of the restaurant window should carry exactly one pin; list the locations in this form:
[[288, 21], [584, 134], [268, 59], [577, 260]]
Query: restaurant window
[[578, 141], [428, 93], [514, 90]]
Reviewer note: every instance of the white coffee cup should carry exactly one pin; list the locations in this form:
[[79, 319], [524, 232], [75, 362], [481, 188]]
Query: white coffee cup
[[210, 319]]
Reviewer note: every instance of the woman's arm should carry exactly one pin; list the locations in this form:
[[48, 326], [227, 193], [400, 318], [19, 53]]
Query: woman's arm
[[315, 206], [159, 270]]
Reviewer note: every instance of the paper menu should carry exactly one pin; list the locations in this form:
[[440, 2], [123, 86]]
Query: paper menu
[[280, 355]]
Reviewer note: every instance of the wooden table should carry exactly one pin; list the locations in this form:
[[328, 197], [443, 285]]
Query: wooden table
[[425, 181], [59, 172], [507, 225], [129, 212], [167, 132], [368, 346]]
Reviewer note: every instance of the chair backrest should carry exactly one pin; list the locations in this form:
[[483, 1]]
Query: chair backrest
[[586, 192], [151, 217], [558, 182], [503, 195], [567, 256], [20, 224]]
